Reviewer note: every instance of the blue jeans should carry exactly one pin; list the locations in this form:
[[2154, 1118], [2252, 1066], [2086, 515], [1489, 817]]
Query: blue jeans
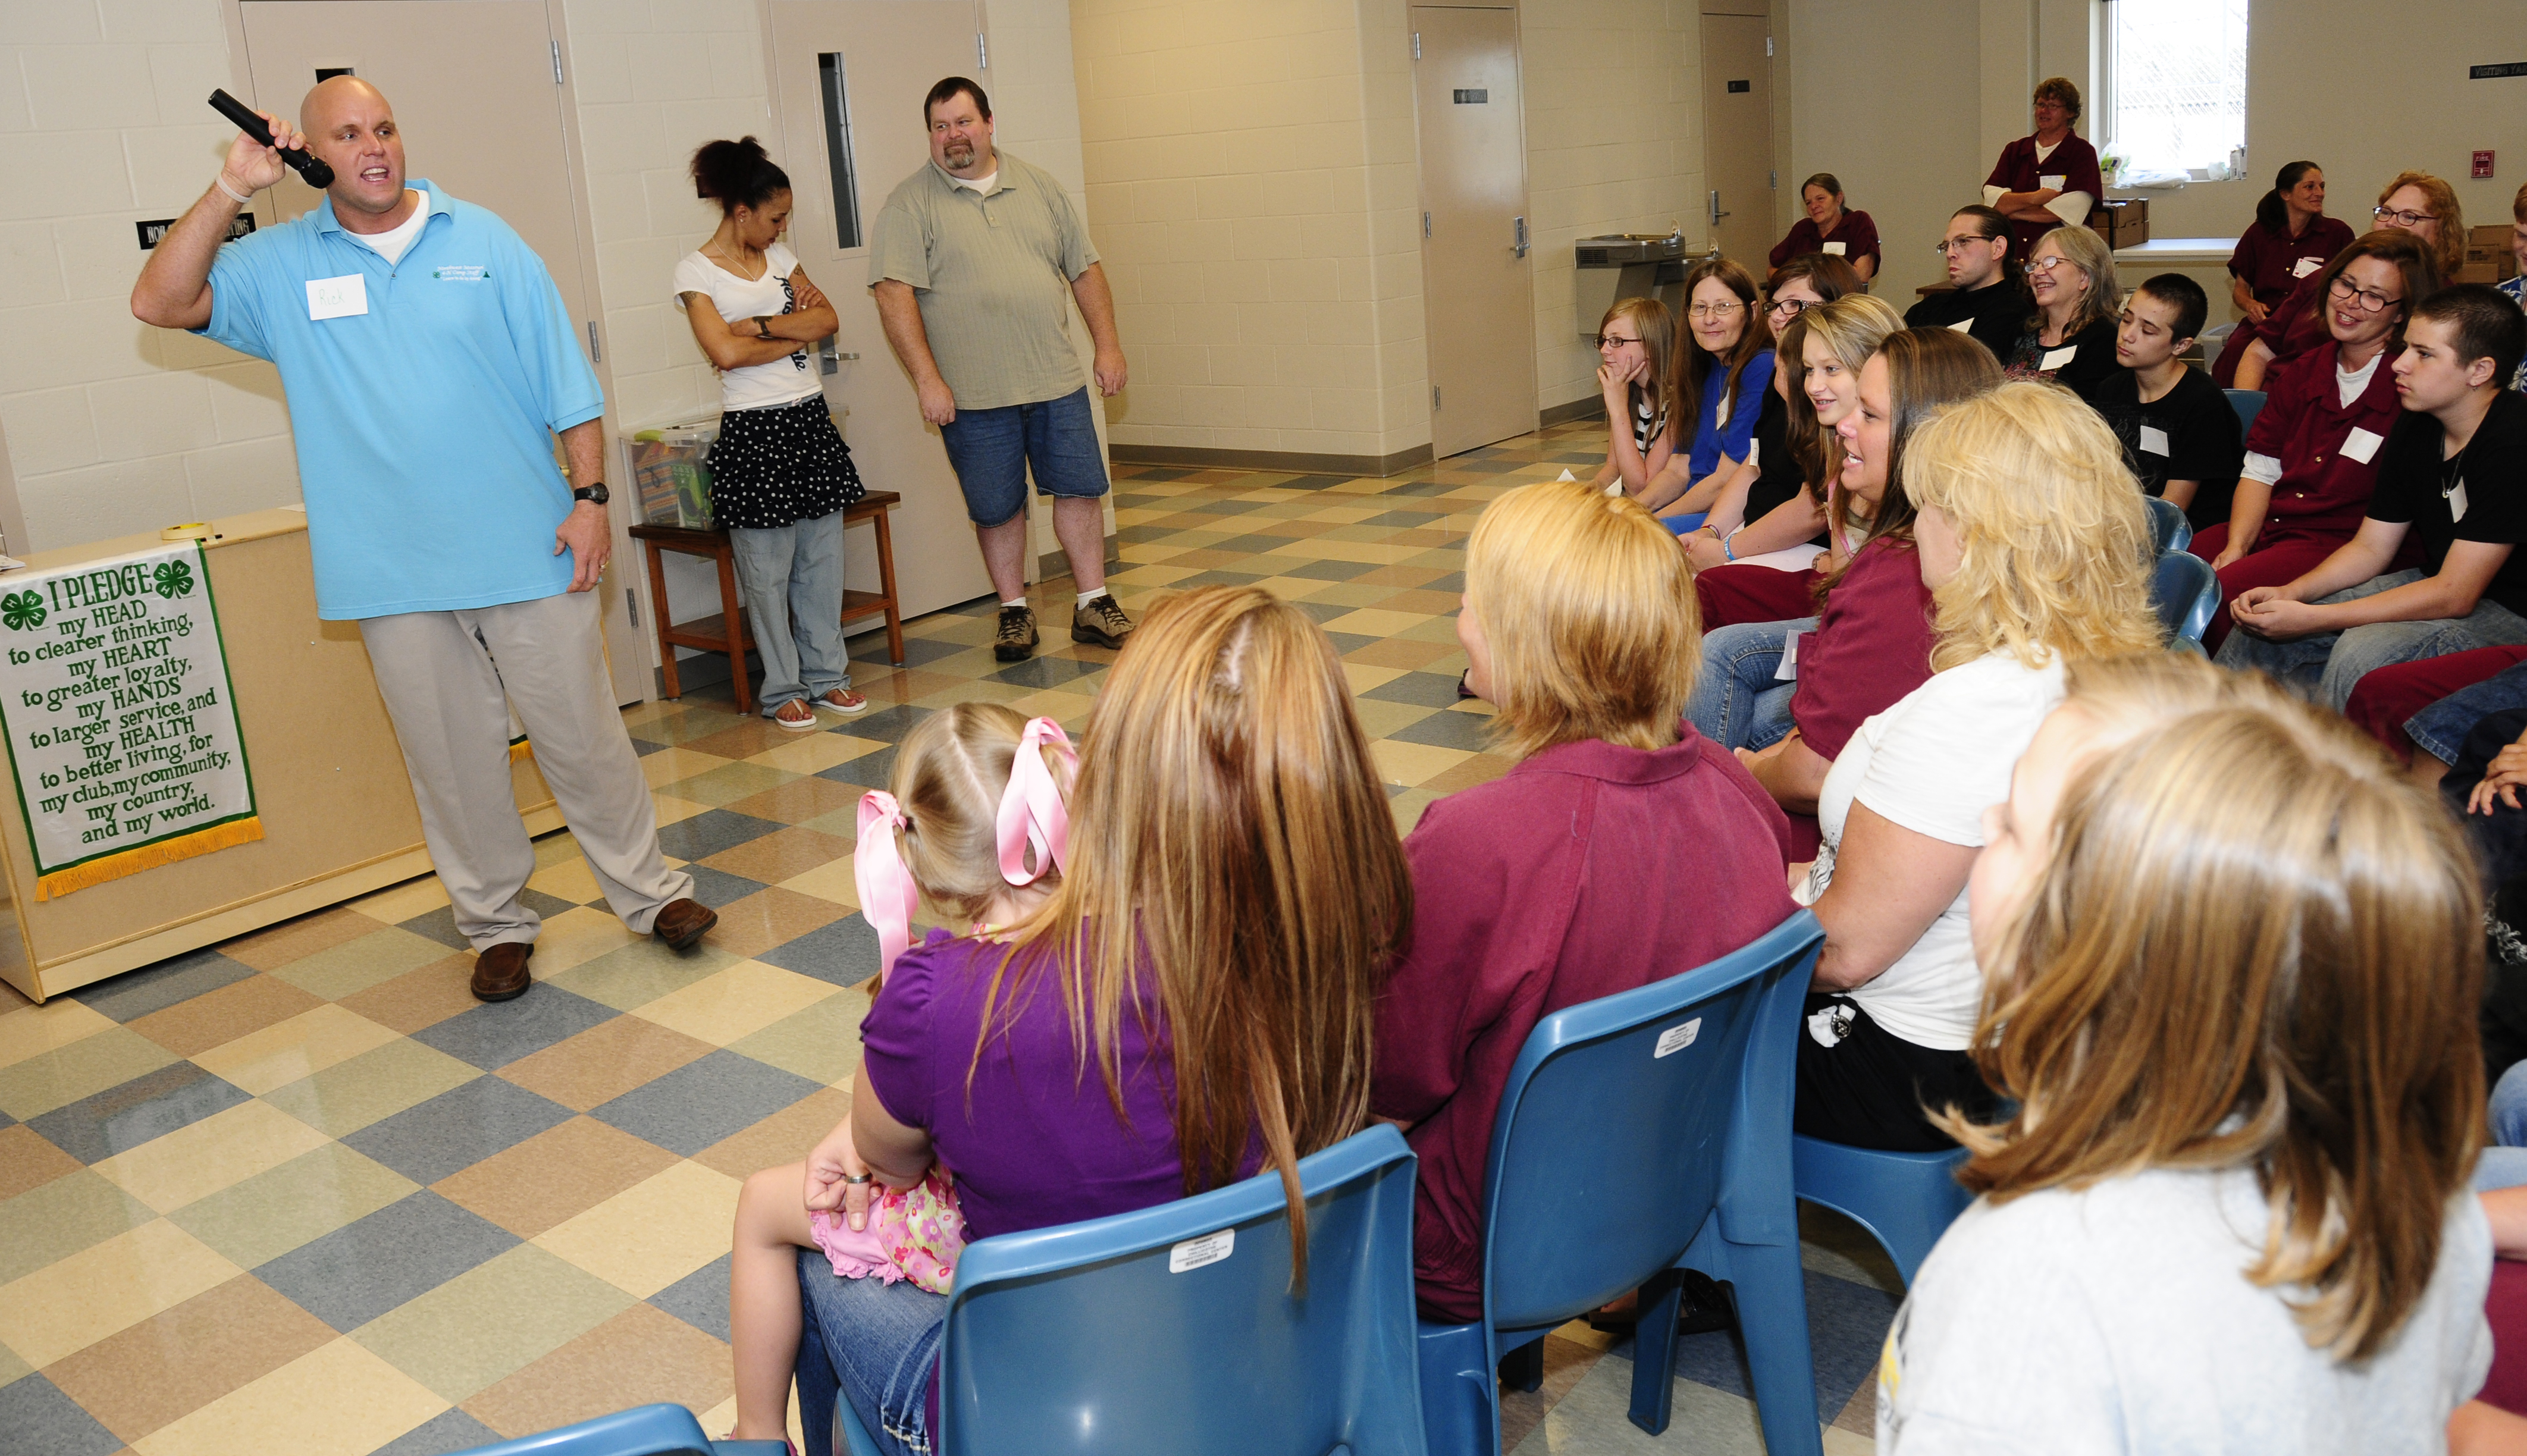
[[875, 1346], [2326, 666], [2439, 730], [1736, 702], [992, 449], [792, 579]]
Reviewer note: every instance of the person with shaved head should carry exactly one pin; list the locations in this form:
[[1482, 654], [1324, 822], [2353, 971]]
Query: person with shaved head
[[428, 364]]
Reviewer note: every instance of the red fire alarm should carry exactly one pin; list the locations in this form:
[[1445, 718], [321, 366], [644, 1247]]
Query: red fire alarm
[[2482, 164]]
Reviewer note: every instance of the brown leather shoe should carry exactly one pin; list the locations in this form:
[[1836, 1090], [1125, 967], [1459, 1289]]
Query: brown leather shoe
[[500, 972], [681, 922]]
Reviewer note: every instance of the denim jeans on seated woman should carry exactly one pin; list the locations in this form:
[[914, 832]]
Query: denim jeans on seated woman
[[874, 1344], [1737, 702]]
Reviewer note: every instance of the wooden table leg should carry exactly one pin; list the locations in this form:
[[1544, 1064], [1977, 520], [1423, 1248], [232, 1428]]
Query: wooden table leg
[[659, 610], [886, 583], [732, 619]]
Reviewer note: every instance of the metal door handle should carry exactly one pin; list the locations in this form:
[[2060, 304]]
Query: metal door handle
[[1716, 212], [828, 362], [1520, 245]]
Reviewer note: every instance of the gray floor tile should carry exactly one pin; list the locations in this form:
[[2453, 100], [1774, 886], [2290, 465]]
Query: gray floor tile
[[393, 1256], [703, 1102], [458, 1129]]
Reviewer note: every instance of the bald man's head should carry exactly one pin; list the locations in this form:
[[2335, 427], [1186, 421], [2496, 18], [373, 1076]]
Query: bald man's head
[[349, 125]]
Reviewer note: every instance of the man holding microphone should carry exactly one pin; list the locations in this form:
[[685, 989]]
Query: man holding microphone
[[428, 359]]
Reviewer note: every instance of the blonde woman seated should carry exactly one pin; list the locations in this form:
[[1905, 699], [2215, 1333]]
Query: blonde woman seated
[[2035, 544], [2233, 966], [1579, 617]]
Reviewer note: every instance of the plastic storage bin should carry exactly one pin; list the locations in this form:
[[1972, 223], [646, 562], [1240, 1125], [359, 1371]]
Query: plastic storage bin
[[671, 471]]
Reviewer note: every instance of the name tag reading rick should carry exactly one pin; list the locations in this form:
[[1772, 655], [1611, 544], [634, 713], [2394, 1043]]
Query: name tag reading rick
[[1836, 249], [2055, 358], [337, 298], [2153, 441], [2362, 444]]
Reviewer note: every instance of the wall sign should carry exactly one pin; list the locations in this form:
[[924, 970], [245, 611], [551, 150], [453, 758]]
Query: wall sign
[[121, 728], [1479, 97], [2492, 73], [154, 231]]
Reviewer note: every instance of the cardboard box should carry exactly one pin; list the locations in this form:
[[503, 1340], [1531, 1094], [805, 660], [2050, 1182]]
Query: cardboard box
[[2122, 221], [2488, 256], [2486, 272], [2495, 235]]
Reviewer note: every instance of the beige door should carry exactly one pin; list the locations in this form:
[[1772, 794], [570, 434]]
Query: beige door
[[848, 80], [1478, 298], [1737, 136], [471, 84]]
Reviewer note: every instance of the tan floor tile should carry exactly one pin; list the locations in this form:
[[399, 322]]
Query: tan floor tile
[[263, 1217], [674, 810], [698, 718], [577, 936], [569, 879], [1330, 549], [1379, 719], [27, 1160], [338, 1400], [651, 1234], [1414, 656], [68, 1305], [553, 1177], [802, 798], [1406, 808], [302, 1046], [1061, 704], [354, 966], [396, 904], [742, 738], [1370, 621], [737, 1001], [842, 823], [831, 880], [174, 1363], [223, 1016], [975, 690], [771, 918], [281, 944], [728, 782], [1362, 676], [491, 1320], [420, 998], [773, 857], [554, 848], [59, 1217], [821, 1043], [641, 1355], [32, 1031], [604, 1062], [640, 972], [62, 1075], [1413, 764], [814, 753], [886, 686], [373, 1086], [670, 765], [787, 1136], [1433, 603], [201, 1158]]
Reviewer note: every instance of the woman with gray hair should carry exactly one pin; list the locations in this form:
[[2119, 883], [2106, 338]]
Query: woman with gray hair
[[2070, 338]]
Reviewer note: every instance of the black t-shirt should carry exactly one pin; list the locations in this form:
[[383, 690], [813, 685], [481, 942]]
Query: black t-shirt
[[1777, 477], [1995, 314], [2487, 479], [2089, 361], [2189, 434]]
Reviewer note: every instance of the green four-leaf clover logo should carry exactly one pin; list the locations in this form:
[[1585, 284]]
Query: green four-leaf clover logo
[[21, 611], [173, 579]]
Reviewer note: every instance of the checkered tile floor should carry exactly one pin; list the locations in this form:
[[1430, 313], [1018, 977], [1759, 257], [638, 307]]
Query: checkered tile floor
[[301, 1194]]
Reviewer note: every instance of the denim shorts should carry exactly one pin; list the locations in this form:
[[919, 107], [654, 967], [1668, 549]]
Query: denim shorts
[[992, 449], [874, 1344]]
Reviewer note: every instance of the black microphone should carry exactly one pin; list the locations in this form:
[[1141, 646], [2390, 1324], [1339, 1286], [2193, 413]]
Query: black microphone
[[309, 166]]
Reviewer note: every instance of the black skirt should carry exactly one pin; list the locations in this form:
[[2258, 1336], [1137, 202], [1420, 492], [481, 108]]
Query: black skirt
[[780, 465]]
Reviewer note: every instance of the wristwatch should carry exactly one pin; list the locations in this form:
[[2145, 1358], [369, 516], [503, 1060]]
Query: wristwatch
[[595, 493]]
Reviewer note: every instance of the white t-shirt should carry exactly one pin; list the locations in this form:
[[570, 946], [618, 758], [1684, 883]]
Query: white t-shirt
[[982, 185], [391, 243], [1933, 764], [784, 381], [2117, 1320]]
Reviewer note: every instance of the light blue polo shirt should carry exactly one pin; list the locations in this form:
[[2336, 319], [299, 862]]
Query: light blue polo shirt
[[424, 424]]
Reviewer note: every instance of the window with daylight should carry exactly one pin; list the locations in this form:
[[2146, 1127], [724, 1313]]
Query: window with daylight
[[2177, 70]]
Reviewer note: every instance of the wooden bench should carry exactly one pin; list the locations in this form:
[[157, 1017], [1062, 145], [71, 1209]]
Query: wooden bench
[[726, 632]]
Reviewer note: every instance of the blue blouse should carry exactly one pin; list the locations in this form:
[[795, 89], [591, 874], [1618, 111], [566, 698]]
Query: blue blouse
[[1712, 440]]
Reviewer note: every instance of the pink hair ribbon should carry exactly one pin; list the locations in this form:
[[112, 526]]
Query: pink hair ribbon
[[888, 895], [1032, 814]]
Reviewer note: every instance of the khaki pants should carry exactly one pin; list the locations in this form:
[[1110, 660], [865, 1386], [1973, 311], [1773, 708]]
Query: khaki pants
[[449, 679]]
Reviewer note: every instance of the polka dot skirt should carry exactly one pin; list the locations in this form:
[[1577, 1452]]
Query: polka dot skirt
[[779, 465]]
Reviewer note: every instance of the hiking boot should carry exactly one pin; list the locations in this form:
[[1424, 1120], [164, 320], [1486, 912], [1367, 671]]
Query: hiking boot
[[1101, 622], [1015, 641]]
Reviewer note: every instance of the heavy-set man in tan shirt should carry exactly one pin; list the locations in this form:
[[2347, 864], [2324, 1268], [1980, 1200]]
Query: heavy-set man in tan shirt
[[968, 263]]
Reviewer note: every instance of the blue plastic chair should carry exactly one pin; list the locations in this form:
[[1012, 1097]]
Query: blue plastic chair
[[642, 1430], [1639, 1135], [1906, 1200], [2185, 592], [2169, 531], [1083, 1338], [2248, 403]]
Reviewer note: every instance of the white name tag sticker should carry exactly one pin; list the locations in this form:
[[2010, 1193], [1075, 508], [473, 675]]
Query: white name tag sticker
[[1788, 671], [2362, 444], [1194, 1253], [2305, 266], [2153, 441], [2055, 358], [2054, 182], [2456, 501], [1963, 326], [1835, 249], [337, 298], [1675, 1039]]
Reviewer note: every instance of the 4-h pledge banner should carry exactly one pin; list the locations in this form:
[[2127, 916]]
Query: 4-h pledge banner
[[115, 697]]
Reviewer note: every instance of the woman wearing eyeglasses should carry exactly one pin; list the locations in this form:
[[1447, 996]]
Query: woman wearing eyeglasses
[[1632, 368], [2415, 202], [2049, 180], [1830, 229], [1741, 524], [2290, 239], [1721, 367], [1986, 295], [2313, 455], [2070, 338]]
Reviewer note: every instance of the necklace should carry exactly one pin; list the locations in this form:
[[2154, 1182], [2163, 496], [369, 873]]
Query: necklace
[[734, 266]]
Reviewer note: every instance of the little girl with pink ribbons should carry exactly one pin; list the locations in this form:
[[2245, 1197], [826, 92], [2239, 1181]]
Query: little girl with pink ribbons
[[977, 822]]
